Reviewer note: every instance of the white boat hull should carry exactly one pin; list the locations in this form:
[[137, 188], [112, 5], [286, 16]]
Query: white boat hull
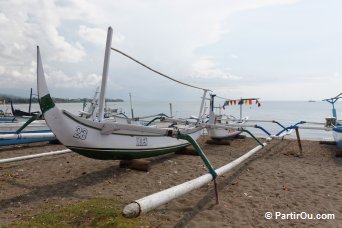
[[107, 140], [218, 133], [87, 138], [221, 133], [337, 133]]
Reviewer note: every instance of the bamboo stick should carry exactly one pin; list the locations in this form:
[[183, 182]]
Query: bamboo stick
[[27, 135], [150, 202], [299, 142], [20, 158]]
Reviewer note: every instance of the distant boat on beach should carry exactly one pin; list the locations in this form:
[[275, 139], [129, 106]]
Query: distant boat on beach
[[334, 121], [6, 116], [20, 113]]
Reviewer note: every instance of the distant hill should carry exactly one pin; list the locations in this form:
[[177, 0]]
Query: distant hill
[[22, 100]]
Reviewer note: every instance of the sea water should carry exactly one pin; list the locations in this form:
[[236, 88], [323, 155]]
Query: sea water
[[285, 112]]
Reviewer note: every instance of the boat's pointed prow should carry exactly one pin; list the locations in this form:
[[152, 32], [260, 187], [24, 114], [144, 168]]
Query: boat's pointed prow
[[45, 100]]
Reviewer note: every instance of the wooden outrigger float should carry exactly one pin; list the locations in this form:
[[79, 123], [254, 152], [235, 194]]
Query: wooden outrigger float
[[25, 132], [31, 156], [155, 200], [21, 137]]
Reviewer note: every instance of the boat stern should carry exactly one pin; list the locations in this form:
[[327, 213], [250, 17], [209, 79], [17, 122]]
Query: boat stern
[[337, 133]]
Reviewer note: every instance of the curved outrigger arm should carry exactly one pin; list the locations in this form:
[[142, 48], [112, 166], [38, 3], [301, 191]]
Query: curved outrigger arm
[[268, 121], [286, 129], [238, 127], [332, 101]]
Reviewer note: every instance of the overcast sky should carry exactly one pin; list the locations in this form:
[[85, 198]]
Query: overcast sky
[[272, 49]]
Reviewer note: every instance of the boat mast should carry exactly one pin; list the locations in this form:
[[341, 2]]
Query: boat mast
[[171, 115], [93, 105], [241, 102], [130, 101], [30, 101], [212, 97], [105, 74], [202, 104]]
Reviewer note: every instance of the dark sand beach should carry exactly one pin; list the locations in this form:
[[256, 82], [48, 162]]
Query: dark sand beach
[[274, 180]]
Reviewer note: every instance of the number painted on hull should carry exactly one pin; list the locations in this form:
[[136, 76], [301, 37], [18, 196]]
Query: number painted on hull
[[80, 133], [142, 141]]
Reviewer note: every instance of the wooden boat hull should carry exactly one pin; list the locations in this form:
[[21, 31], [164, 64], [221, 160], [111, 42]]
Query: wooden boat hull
[[17, 112], [124, 154], [87, 138], [106, 140]]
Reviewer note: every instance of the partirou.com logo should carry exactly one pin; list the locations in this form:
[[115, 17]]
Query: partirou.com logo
[[277, 215]]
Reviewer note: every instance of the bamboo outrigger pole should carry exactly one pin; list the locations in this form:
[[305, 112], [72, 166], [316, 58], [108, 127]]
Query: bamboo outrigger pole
[[27, 157], [150, 202], [25, 135]]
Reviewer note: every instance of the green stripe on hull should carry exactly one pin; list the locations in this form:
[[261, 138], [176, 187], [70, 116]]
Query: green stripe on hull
[[123, 154], [46, 103]]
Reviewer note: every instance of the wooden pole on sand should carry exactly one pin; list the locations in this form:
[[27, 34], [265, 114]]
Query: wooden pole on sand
[[299, 142]]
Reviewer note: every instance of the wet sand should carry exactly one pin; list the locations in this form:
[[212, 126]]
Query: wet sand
[[276, 179]]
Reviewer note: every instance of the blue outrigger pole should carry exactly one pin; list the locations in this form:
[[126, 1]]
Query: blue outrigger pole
[[332, 101]]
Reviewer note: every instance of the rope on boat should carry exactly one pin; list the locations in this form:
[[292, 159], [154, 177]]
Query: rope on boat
[[222, 97], [157, 72]]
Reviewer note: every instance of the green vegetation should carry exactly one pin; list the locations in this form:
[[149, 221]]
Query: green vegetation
[[21, 100], [91, 213]]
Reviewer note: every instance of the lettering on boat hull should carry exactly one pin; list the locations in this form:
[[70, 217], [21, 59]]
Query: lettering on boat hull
[[80, 133], [142, 141]]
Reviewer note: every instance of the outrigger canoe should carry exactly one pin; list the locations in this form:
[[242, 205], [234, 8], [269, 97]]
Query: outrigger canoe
[[102, 139]]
